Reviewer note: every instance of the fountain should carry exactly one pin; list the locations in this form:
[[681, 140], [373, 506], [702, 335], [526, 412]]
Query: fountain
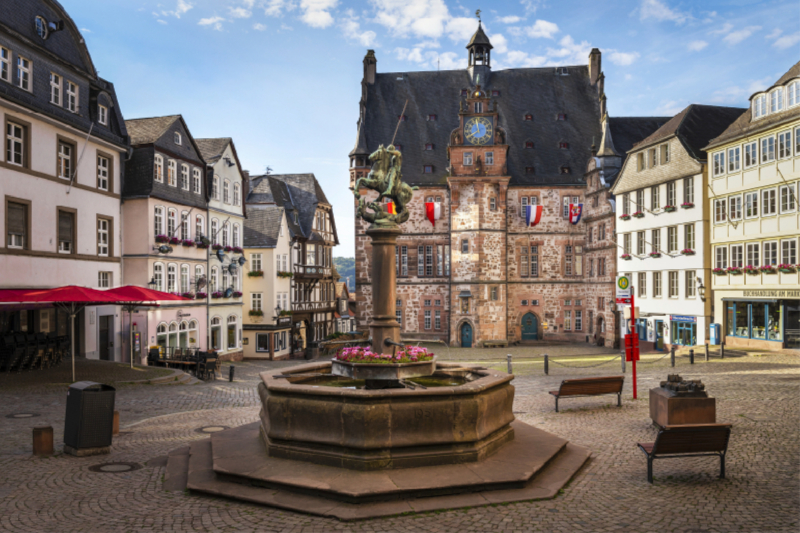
[[359, 440]]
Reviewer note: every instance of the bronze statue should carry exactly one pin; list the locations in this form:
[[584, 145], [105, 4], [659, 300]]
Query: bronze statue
[[387, 179]]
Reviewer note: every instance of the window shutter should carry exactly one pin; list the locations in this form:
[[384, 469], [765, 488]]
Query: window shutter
[[17, 219], [65, 223]]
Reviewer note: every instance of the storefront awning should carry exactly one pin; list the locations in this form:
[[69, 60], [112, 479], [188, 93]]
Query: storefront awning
[[758, 300]]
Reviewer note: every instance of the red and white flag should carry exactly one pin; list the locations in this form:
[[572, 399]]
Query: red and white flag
[[433, 210]]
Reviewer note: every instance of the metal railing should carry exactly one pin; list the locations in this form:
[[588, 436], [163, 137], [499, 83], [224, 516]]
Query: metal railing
[[312, 270]]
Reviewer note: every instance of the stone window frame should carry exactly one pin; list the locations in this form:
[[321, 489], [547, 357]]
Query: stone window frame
[[464, 244], [102, 114], [56, 82], [110, 159], [673, 284], [734, 158], [28, 206], [72, 97], [197, 181], [690, 281], [74, 213], [25, 140], [658, 290], [5, 64], [28, 70], [109, 233], [73, 145]]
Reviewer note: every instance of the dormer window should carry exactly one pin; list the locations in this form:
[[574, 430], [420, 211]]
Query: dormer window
[[177, 138], [529, 145], [530, 170], [102, 115], [759, 106], [296, 217], [563, 145], [495, 93], [565, 170], [431, 118], [464, 92], [402, 118], [528, 117], [429, 147], [794, 94], [427, 169], [561, 116], [399, 147], [562, 71], [776, 100]]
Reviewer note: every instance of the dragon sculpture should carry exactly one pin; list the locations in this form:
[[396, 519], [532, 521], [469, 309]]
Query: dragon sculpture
[[386, 178]]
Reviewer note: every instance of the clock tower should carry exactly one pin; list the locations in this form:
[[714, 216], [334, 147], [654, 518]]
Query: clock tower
[[478, 183]]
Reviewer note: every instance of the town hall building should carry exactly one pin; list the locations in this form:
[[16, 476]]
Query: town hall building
[[484, 146]]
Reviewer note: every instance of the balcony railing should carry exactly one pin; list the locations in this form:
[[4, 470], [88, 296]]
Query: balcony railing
[[314, 306], [312, 271]]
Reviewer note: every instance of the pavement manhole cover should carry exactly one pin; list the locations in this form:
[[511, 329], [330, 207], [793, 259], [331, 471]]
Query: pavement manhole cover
[[22, 415], [115, 468], [211, 429]]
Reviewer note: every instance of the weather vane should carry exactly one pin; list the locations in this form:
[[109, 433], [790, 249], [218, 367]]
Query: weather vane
[[478, 14]]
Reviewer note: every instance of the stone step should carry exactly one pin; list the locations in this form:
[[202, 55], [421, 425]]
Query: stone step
[[177, 470]]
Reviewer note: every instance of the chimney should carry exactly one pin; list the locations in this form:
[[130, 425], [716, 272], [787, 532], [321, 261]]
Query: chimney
[[370, 67], [594, 65]]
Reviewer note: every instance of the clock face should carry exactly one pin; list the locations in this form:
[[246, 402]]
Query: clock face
[[478, 130]]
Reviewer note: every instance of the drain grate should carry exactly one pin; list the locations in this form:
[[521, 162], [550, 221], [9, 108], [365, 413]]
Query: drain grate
[[115, 468]]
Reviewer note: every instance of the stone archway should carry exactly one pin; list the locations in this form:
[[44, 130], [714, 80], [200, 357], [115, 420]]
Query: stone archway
[[530, 327], [465, 326]]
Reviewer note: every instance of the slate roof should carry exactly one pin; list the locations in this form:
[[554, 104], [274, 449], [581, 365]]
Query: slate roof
[[745, 125], [695, 126], [262, 226], [299, 193], [627, 131], [479, 37], [211, 149], [536, 91], [148, 130]]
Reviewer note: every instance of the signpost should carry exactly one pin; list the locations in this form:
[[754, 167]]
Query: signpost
[[625, 297]]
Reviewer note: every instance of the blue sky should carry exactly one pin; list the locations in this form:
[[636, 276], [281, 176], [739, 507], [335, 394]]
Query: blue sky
[[282, 77]]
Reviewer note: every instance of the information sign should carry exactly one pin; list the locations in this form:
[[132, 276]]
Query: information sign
[[623, 290]]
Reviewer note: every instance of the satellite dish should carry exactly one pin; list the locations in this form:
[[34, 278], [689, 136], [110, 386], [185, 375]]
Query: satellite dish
[[242, 260], [164, 249], [201, 282], [228, 292], [221, 256], [232, 268]]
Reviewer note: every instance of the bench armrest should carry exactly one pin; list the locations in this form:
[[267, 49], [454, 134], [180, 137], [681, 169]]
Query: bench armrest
[[696, 426]]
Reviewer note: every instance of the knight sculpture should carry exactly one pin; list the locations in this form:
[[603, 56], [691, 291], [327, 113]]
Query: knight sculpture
[[386, 178]]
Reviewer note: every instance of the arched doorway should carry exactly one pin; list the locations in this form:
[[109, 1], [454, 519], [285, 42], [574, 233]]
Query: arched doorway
[[601, 331], [530, 327], [466, 335]]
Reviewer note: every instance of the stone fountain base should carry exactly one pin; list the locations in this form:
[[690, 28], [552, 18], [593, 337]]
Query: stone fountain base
[[469, 452]]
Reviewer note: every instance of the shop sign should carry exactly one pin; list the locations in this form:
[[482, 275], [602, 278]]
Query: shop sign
[[284, 321], [680, 318], [771, 294]]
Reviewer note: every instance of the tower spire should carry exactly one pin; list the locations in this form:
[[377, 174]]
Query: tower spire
[[479, 47]]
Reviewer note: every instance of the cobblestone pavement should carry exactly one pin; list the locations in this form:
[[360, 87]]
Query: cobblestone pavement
[[759, 395]]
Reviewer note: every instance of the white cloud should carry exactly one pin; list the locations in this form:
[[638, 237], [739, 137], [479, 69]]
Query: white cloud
[[670, 108], [774, 34], [214, 22], [516, 58], [259, 27], [696, 46], [182, 7], [352, 30], [516, 31], [160, 21], [787, 41], [623, 58], [511, 19], [735, 37], [661, 12], [409, 54], [531, 5], [316, 12], [499, 42], [722, 30], [570, 51], [276, 8], [86, 30], [240, 12], [542, 29], [460, 29], [286, 27], [449, 61], [418, 18]]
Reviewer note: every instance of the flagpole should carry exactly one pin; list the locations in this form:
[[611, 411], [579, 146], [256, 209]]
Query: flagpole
[[399, 120]]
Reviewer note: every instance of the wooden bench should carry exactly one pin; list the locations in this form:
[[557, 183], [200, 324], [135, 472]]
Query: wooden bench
[[590, 387], [690, 440], [495, 343]]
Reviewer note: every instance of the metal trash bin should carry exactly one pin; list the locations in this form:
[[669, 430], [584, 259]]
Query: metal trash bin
[[90, 418]]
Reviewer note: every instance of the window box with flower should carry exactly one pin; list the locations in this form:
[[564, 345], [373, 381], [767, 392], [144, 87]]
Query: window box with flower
[[188, 295], [750, 269], [187, 242], [202, 245], [162, 239], [768, 269], [256, 312], [282, 274], [736, 271], [720, 271], [285, 312], [669, 208], [786, 268], [216, 247], [687, 205], [626, 257], [255, 274], [174, 240], [687, 251], [624, 217], [238, 250], [655, 254], [229, 248], [638, 214], [201, 296], [217, 294], [237, 294]]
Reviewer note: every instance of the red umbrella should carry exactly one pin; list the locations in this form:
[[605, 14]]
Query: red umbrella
[[133, 293]]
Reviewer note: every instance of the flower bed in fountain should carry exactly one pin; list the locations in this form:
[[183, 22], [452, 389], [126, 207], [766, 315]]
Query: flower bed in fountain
[[362, 363], [361, 355]]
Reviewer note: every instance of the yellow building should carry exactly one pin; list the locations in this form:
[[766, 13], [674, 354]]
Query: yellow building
[[755, 223]]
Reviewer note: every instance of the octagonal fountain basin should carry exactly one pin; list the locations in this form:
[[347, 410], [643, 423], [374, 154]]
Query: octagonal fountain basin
[[462, 415]]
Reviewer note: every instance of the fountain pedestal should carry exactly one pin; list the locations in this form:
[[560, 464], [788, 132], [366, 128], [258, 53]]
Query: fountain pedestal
[[384, 293]]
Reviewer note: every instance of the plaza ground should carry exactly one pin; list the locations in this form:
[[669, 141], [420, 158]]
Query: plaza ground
[[758, 393]]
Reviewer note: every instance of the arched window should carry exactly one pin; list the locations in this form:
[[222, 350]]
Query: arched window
[[185, 234], [172, 222], [216, 333], [184, 278], [236, 235], [183, 334], [233, 340], [158, 220], [199, 226], [161, 335], [214, 230], [213, 282], [158, 171], [173, 335], [237, 194], [193, 334], [172, 168], [177, 138], [198, 275], [225, 279], [226, 192], [215, 187], [158, 276], [172, 271], [185, 177], [196, 181]]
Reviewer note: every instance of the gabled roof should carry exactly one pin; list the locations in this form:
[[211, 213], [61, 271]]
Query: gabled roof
[[479, 37], [694, 126], [212, 149], [628, 131], [745, 125], [262, 226], [149, 130]]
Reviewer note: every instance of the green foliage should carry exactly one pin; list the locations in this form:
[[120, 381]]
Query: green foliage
[[346, 267]]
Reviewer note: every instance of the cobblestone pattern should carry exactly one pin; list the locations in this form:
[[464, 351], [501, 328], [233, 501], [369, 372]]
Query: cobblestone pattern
[[759, 395]]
